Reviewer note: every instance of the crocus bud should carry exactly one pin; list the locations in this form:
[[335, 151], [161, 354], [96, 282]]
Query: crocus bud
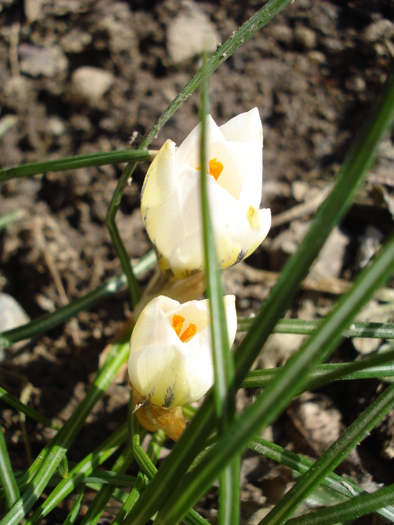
[[171, 206], [170, 362]]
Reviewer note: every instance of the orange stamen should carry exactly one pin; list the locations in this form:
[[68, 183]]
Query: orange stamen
[[215, 168], [177, 323], [188, 333]]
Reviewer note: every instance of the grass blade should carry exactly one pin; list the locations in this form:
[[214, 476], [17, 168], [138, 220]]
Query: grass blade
[[366, 368], [281, 297], [48, 321], [301, 327], [76, 162], [100, 501], [7, 477], [343, 486], [223, 388], [350, 510], [53, 453], [281, 390], [336, 453]]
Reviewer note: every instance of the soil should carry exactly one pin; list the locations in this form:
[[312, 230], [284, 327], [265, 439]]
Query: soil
[[314, 73]]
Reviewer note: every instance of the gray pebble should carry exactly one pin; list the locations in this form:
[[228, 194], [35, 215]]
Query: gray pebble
[[305, 37]]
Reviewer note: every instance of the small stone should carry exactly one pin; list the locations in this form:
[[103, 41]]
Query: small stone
[[356, 84], [190, 33], [75, 41], [32, 9], [377, 30], [89, 84], [282, 34], [55, 126], [45, 61], [317, 57], [12, 315], [305, 37]]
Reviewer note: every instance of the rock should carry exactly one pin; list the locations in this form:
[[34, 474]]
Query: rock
[[12, 315], [55, 126], [330, 260], [378, 29], [282, 34], [32, 9], [75, 41], [45, 61], [190, 33], [305, 37], [356, 84], [89, 84], [317, 57], [370, 243]]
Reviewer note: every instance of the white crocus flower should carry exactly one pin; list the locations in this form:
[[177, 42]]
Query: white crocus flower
[[170, 362], [170, 204]]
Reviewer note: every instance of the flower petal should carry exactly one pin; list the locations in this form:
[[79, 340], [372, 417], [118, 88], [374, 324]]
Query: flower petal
[[161, 367], [160, 208]]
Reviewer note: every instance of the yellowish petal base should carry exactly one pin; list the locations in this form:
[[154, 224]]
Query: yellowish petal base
[[153, 417]]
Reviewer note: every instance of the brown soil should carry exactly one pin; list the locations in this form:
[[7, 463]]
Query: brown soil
[[314, 73]]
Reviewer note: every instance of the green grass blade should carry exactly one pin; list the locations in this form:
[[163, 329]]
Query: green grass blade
[[302, 327], [79, 473], [376, 366], [343, 486], [358, 160], [336, 453], [134, 290], [222, 358], [100, 501], [52, 454], [281, 296], [76, 508], [21, 407], [281, 390], [48, 321], [7, 477], [76, 162], [223, 388], [350, 510]]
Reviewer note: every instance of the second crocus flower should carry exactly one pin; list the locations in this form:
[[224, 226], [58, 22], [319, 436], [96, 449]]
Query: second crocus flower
[[171, 206], [170, 362]]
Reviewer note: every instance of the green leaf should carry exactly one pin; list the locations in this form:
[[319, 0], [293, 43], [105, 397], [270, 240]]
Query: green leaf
[[280, 390], [343, 486], [358, 506], [7, 477], [358, 160], [47, 462], [72, 163], [48, 321], [302, 327], [377, 366]]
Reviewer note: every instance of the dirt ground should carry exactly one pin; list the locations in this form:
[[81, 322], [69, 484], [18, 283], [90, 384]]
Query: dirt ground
[[314, 73]]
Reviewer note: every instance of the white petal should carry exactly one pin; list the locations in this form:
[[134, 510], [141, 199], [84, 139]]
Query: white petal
[[248, 158], [244, 127], [161, 367], [160, 208]]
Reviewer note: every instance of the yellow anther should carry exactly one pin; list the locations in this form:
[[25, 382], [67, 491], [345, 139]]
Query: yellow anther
[[177, 324], [188, 333], [215, 168]]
